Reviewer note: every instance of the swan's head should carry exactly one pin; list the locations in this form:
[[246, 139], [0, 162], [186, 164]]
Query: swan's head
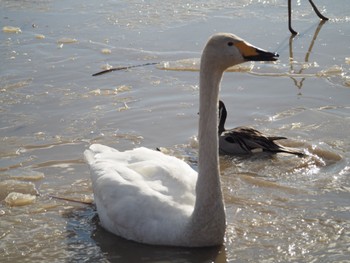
[[224, 50]]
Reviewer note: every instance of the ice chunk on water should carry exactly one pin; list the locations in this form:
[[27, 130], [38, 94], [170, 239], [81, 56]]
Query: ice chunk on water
[[19, 199]]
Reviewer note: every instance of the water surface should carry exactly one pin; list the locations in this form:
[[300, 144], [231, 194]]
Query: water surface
[[279, 208]]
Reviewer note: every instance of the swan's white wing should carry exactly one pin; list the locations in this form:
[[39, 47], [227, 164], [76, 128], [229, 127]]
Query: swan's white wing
[[141, 193]]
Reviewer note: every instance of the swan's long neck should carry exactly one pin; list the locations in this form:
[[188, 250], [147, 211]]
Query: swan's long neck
[[209, 213]]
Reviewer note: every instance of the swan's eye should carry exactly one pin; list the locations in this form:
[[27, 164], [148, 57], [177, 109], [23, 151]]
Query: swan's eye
[[230, 44]]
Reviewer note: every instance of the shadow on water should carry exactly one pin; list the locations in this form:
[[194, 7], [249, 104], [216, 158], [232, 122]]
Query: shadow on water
[[299, 84], [89, 242]]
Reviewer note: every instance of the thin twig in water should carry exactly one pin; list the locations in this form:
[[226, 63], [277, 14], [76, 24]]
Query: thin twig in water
[[123, 68], [71, 200]]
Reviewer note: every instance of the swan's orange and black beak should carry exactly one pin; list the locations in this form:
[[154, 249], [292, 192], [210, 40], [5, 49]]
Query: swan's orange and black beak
[[251, 53]]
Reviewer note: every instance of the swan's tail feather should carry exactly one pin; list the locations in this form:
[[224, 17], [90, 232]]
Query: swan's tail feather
[[94, 149], [89, 156]]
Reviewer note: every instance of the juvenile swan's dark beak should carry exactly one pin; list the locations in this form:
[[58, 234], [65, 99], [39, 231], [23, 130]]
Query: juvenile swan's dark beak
[[251, 53]]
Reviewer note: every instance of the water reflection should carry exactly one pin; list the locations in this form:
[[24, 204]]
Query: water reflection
[[299, 84], [98, 245], [117, 249]]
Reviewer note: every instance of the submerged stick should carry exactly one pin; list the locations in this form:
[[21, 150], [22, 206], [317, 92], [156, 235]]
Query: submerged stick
[[71, 200], [318, 13], [123, 68]]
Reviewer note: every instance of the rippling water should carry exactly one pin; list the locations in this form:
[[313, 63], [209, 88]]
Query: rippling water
[[280, 208]]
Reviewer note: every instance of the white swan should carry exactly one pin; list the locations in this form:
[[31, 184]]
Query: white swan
[[146, 196], [246, 140]]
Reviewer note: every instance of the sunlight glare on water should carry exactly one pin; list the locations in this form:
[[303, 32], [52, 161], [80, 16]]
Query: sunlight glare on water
[[279, 208]]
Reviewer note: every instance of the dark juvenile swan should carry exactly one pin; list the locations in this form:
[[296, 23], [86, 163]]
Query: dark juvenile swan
[[246, 140], [146, 196]]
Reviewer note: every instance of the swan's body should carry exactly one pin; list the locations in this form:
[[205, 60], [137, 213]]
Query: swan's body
[[146, 196], [246, 140]]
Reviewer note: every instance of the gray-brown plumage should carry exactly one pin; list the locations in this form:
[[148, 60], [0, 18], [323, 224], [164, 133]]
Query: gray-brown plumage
[[245, 140]]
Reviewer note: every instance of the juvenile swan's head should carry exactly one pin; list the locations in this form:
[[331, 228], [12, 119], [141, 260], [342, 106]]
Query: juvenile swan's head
[[224, 50]]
